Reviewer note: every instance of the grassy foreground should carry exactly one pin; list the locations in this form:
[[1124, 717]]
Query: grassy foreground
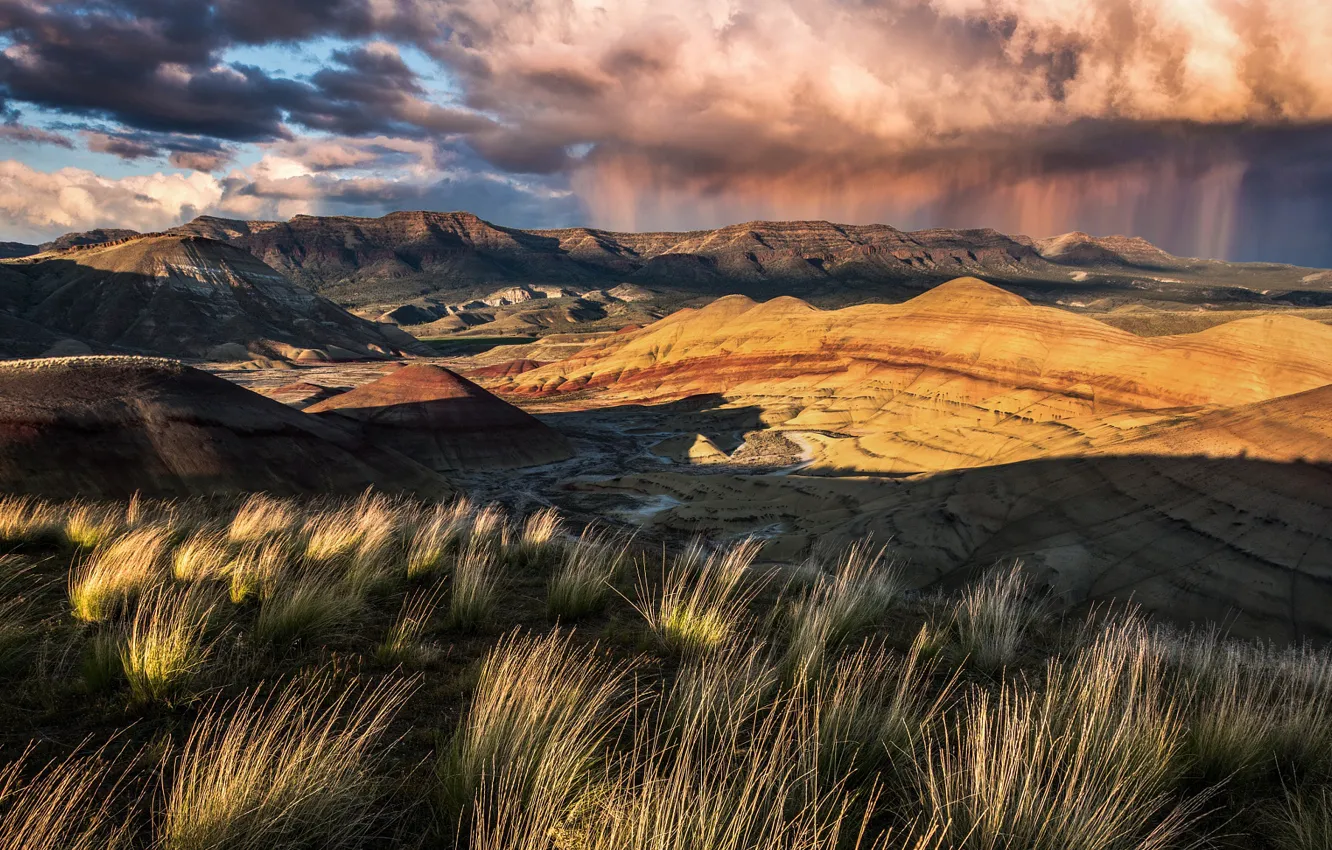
[[379, 673]]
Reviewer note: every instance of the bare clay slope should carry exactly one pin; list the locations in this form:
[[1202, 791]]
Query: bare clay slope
[[107, 427], [964, 375], [446, 422], [185, 296]]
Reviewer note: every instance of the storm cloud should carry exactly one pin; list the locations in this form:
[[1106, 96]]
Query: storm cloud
[[1201, 124]]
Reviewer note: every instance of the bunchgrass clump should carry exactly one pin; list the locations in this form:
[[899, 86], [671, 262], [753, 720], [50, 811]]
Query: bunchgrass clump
[[1089, 761], [540, 715], [202, 556], [586, 574], [165, 645], [405, 641], [90, 526], [437, 535], [261, 517], [474, 588], [847, 601], [290, 770], [1304, 822], [65, 806], [307, 605], [703, 599], [117, 571], [993, 616], [541, 540], [27, 520]]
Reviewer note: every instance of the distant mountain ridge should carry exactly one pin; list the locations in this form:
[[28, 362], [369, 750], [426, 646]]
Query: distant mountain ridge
[[178, 296], [454, 256]]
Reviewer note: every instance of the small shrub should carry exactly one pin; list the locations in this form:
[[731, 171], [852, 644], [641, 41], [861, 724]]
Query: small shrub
[[993, 617], [703, 600], [164, 647], [584, 579], [291, 771], [117, 571]]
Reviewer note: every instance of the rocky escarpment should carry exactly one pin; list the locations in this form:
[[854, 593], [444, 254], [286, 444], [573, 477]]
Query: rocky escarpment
[[458, 256]]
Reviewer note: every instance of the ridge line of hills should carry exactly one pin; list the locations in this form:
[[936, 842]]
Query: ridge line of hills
[[435, 257]]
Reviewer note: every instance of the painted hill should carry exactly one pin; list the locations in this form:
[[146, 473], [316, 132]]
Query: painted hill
[[184, 296], [103, 427], [457, 256], [446, 422]]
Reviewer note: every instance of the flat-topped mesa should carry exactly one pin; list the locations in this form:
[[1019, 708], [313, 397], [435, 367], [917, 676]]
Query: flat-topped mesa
[[965, 342], [108, 427], [446, 422], [189, 296]]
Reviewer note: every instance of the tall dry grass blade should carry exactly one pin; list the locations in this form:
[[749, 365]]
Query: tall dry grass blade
[[65, 806], [202, 556], [27, 520], [994, 615], [437, 536], [405, 641], [589, 567], [474, 589], [261, 517]]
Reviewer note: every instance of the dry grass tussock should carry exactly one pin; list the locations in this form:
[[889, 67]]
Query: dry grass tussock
[[117, 571], [243, 663], [703, 598], [295, 768], [64, 806]]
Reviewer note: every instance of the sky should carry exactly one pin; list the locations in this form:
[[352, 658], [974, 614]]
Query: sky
[[1202, 125]]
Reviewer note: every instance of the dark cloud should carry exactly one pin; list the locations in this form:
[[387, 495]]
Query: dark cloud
[[192, 152], [25, 134]]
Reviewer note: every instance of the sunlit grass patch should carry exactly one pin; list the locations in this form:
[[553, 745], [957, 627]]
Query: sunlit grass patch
[[164, 645], [90, 526], [117, 571], [437, 534], [541, 540], [262, 516], [702, 600], [202, 556], [294, 769], [27, 520]]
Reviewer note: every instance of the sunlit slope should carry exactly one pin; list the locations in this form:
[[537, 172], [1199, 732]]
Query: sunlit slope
[[964, 375]]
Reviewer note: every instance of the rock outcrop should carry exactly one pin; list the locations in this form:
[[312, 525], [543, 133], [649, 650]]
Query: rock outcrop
[[108, 427], [445, 422]]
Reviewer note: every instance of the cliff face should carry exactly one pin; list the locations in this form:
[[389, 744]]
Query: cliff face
[[406, 255]]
